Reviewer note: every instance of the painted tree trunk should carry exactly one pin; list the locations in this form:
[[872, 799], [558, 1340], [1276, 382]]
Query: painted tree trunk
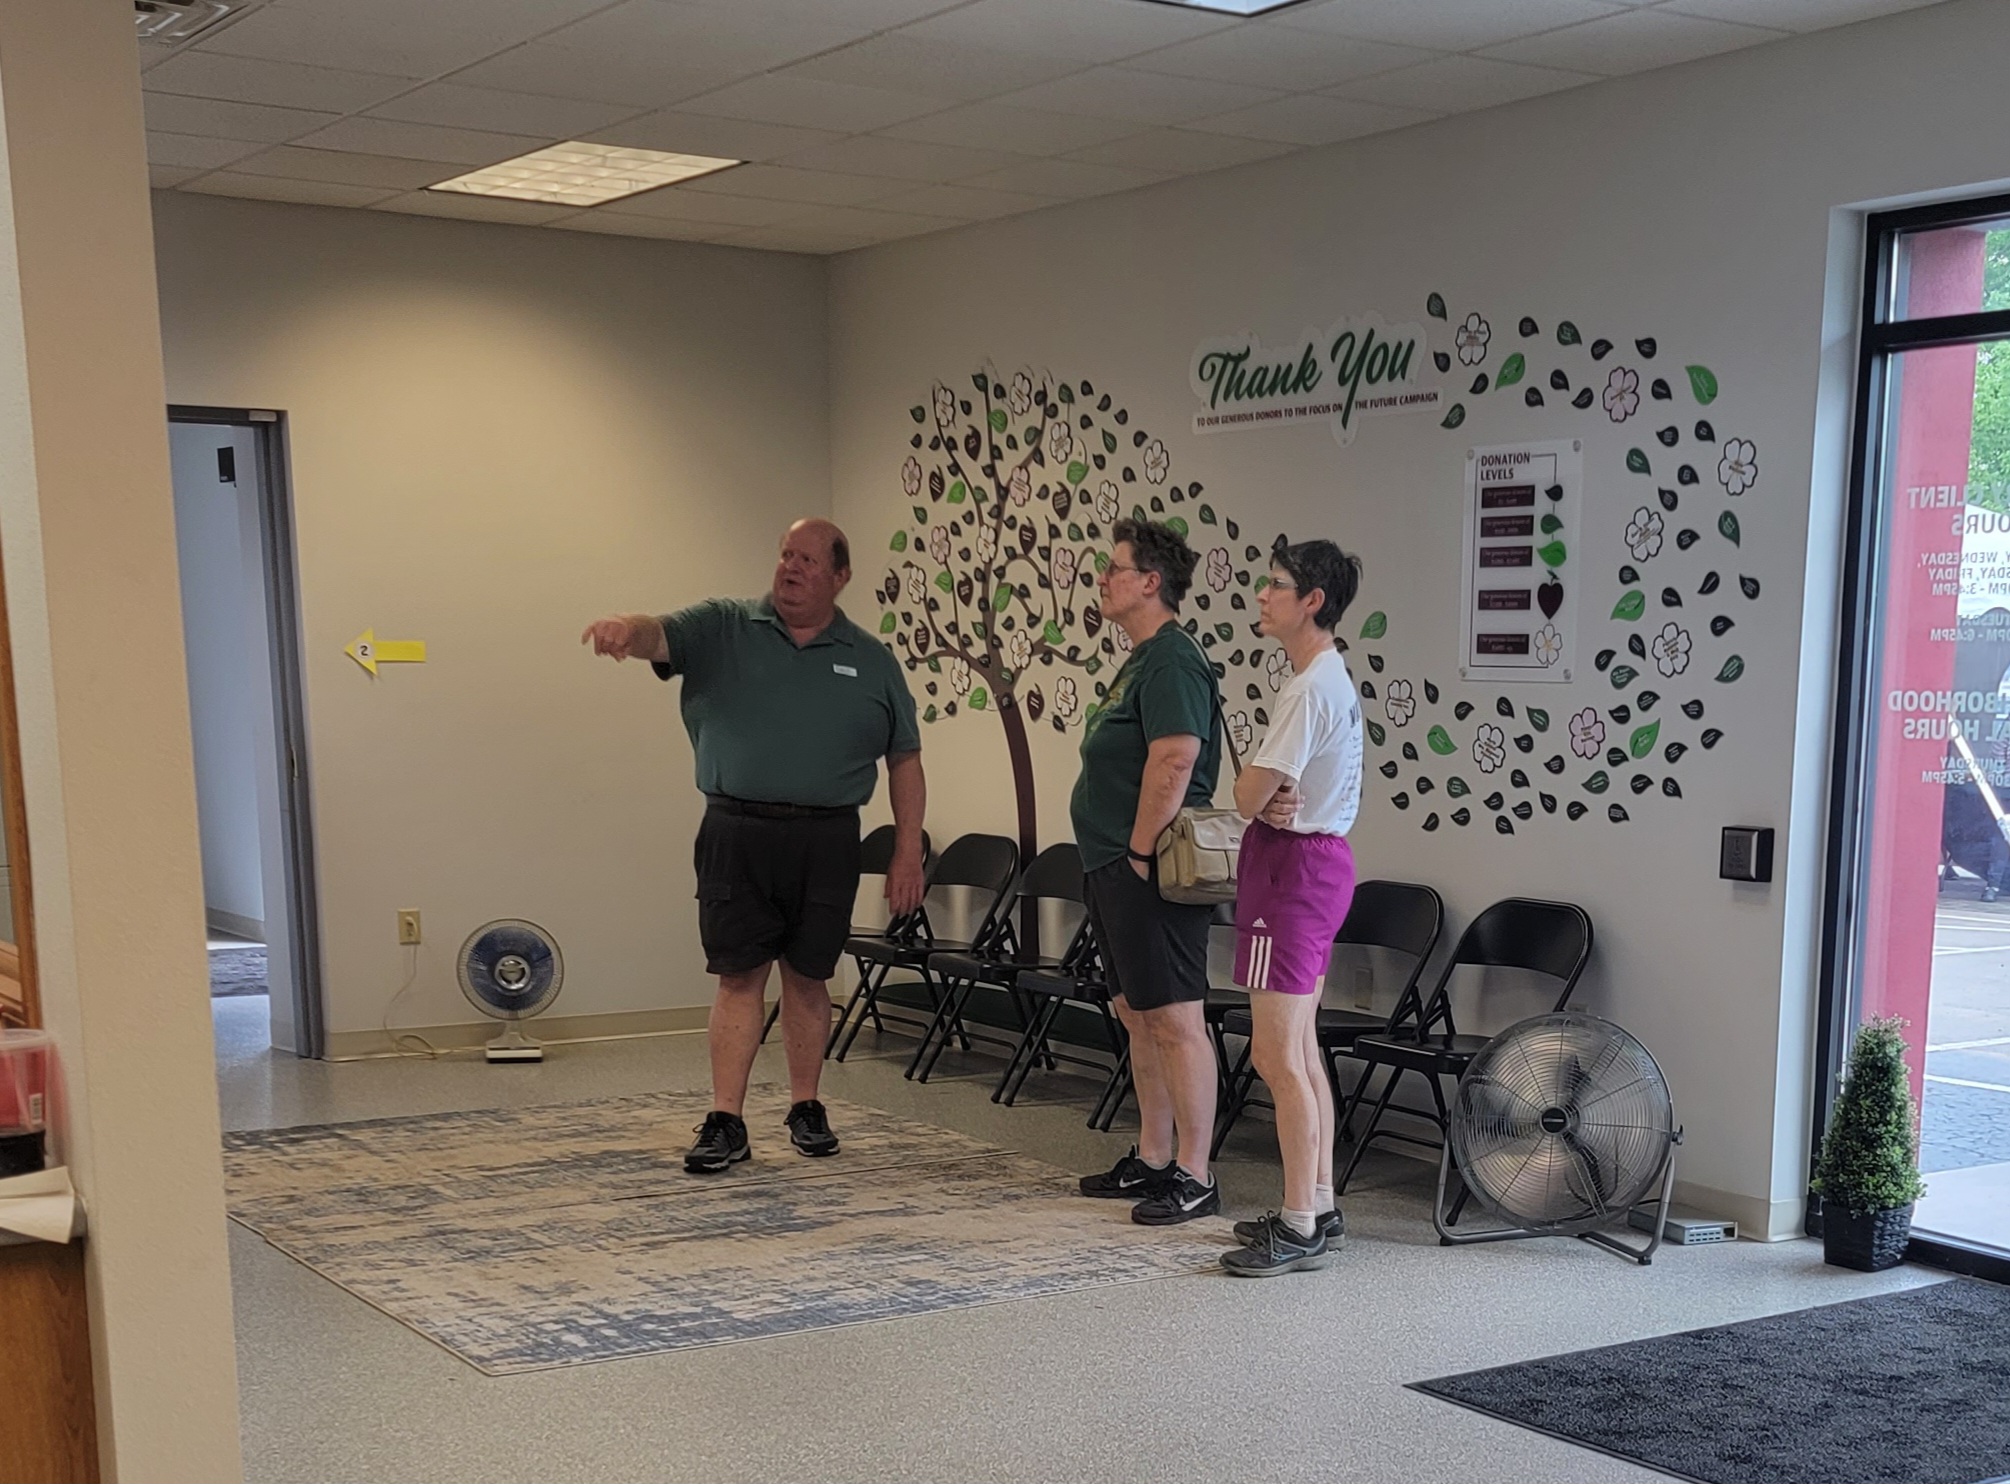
[[1021, 753]]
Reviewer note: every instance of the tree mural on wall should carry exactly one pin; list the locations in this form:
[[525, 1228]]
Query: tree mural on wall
[[991, 592]]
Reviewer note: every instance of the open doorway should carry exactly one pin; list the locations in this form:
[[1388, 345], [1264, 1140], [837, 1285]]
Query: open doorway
[[234, 536]]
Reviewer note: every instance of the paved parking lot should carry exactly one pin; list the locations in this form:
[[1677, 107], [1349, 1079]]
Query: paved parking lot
[[1965, 1117]]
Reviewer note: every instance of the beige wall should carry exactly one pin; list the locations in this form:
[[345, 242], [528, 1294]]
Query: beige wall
[[498, 434], [1695, 205]]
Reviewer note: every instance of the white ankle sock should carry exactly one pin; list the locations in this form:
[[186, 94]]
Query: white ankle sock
[[1322, 1199], [1302, 1222]]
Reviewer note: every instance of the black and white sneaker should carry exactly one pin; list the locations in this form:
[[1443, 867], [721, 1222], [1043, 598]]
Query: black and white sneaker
[[1332, 1225], [1278, 1249], [722, 1141], [810, 1129], [1129, 1179], [1181, 1198]]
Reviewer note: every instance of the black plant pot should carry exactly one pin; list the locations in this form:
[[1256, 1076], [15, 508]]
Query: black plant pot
[[1869, 1241]]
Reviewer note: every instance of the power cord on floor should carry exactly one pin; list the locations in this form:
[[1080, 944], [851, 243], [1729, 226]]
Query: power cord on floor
[[400, 1039]]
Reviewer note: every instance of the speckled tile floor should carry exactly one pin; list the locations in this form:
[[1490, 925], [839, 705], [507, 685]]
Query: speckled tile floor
[[1182, 1379]]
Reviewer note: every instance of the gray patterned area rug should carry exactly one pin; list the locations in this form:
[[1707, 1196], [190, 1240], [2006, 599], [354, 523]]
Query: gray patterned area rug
[[522, 1239], [234, 971]]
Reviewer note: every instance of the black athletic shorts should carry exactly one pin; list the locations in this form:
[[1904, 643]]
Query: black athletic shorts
[[1154, 951], [775, 887]]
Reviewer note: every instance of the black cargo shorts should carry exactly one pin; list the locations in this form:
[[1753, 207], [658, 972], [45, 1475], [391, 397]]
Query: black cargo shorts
[[775, 881]]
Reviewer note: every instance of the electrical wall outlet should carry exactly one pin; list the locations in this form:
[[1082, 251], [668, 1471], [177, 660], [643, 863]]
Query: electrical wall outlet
[[408, 927]]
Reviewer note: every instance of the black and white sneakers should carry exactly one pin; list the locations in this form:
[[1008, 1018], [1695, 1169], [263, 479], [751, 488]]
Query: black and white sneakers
[[1278, 1249], [1129, 1179], [810, 1130], [1179, 1198], [1332, 1225], [722, 1142]]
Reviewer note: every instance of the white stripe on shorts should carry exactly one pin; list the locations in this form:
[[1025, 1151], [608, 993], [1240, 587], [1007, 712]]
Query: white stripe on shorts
[[1259, 962]]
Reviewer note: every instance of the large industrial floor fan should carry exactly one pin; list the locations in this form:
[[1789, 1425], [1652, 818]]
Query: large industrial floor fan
[[511, 970], [1560, 1127]]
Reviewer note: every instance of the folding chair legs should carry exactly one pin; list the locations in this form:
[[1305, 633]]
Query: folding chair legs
[[774, 1014], [1235, 1097], [1374, 1119]]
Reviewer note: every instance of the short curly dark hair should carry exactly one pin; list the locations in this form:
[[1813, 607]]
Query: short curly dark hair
[[1320, 564], [1157, 547]]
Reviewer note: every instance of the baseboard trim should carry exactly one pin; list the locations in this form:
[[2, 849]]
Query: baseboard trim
[[1758, 1219], [236, 926], [551, 1029]]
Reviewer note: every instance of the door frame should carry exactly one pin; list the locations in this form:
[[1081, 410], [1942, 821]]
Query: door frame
[[296, 822], [1880, 337]]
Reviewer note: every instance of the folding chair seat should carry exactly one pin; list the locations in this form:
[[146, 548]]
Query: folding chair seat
[[1552, 939]]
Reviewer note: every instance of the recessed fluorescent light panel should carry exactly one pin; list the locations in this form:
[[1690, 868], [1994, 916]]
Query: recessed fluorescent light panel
[[1234, 7], [576, 174]]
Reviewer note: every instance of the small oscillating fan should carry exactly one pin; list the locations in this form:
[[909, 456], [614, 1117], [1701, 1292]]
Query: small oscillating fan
[[511, 970], [1560, 1126]]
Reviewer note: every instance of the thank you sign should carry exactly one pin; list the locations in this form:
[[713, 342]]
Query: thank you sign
[[1357, 368]]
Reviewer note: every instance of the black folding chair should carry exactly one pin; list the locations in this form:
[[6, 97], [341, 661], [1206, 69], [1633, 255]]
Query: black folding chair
[[1396, 915], [985, 865], [875, 858], [1222, 998], [1048, 896], [1547, 938], [1071, 1006]]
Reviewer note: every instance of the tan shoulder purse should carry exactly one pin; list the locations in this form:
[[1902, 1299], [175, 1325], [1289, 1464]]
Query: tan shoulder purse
[[1197, 852]]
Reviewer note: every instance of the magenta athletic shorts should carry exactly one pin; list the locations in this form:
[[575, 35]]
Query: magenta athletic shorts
[[1291, 895]]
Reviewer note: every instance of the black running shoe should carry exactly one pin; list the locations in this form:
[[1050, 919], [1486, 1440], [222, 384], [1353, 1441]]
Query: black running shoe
[[810, 1129], [1278, 1250], [722, 1141], [1333, 1225], [1129, 1179], [1181, 1198]]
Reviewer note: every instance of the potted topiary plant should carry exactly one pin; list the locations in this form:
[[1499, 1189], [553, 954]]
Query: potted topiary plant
[[1868, 1174]]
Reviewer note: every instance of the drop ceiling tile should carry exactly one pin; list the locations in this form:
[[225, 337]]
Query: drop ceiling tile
[[676, 203], [1445, 25], [1064, 179], [867, 16], [807, 103], [395, 37], [723, 139], [340, 167], [476, 208], [966, 203], [1632, 42], [217, 119], [741, 39], [200, 74], [1181, 151], [801, 239], [1086, 30], [638, 81], [1025, 131], [276, 188], [663, 229], [193, 152], [1143, 97], [904, 159], [456, 106], [371, 136], [882, 225], [1311, 119], [777, 183], [1267, 56], [939, 69], [1460, 84], [167, 177], [1793, 15]]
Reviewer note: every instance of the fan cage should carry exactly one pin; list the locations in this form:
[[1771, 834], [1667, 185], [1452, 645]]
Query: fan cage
[[510, 969]]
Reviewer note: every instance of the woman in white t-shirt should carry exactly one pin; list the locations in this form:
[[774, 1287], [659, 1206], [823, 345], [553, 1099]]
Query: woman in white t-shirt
[[1294, 883]]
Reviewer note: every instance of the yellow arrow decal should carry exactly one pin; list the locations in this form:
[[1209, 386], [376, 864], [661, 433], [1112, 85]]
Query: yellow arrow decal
[[367, 650]]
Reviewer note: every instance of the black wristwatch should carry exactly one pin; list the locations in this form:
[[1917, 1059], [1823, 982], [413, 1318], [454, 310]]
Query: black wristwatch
[[1139, 856]]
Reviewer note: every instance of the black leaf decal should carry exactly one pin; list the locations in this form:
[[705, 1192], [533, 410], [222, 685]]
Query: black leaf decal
[[1410, 751], [1749, 586], [1523, 810], [1641, 783], [1707, 586], [1494, 801], [1720, 626], [1528, 327], [1548, 803], [1628, 575], [1669, 436], [1462, 817], [1518, 778], [1575, 809], [1367, 690], [1693, 710], [1671, 788], [1600, 349], [1670, 598], [1646, 347], [1686, 475], [1669, 499], [1389, 768], [1673, 752], [1638, 645], [1533, 396], [1504, 706], [1554, 763], [1503, 825], [1444, 362], [1617, 813], [1686, 538], [1604, 658], [1615, 757], [1710, 738], [1375, 663], [1659, 390], [1424, 785], [1479, 386], [1582, 400], [1400, 800], [1431, 820], [1558, 382], [1525, 742], [1647, 700], [1463, 710], [1621, 714], [1704, 432], [1431, 691]]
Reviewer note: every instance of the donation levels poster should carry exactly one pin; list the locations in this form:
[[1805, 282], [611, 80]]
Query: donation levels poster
[[1522, 505]]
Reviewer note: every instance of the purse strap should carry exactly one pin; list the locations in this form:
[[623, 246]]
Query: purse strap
[[1220, 718]]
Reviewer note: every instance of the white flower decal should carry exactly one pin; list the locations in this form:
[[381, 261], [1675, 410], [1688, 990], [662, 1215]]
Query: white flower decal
[[1060, 443], [1278, 666], [1548, 645], [1643, 534], [945, 405], [1021, 648], [1400, 703], [1622, 394], [1020, 486], [1220, 571], [1587, 732], [917, 588], [1738, 470], [1106, 502], [1239, 730], [938, 544], [910, 476], [987, 543], [1157, 461], [1066, 702], [1472, 338], [1020, 398], [1671, 649], [1123, 639], [1063, 569], [959, 676], [1490, 748]]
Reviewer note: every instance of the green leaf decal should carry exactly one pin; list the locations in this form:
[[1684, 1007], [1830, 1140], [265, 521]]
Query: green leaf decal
[[1551, 523], [1375, 733], [1178, 527], [1440, 741], [978, 698], [1630, 606], [899, 541], [1636, 461], [1537, 718], [1435, 306], [1733, 668], [1376, 626], [1224, 632], [1077, 471], [1511, 370], [1727, 526], [1623, 676], [1456, 416], [957, 491], [1075, 532], [1065, 392], [920, 415], [1642, 741], [886, 623], [1002, 599], [1207, 516], [1457, 787], [1052, 632], [997, 419], [943, 581], [1566, 334], [1553, 554], [930, 714], [1109, 442], [1597, 783], [1703, 384]]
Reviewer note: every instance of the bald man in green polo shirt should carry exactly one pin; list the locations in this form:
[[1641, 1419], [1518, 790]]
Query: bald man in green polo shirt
[[790, 707]]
